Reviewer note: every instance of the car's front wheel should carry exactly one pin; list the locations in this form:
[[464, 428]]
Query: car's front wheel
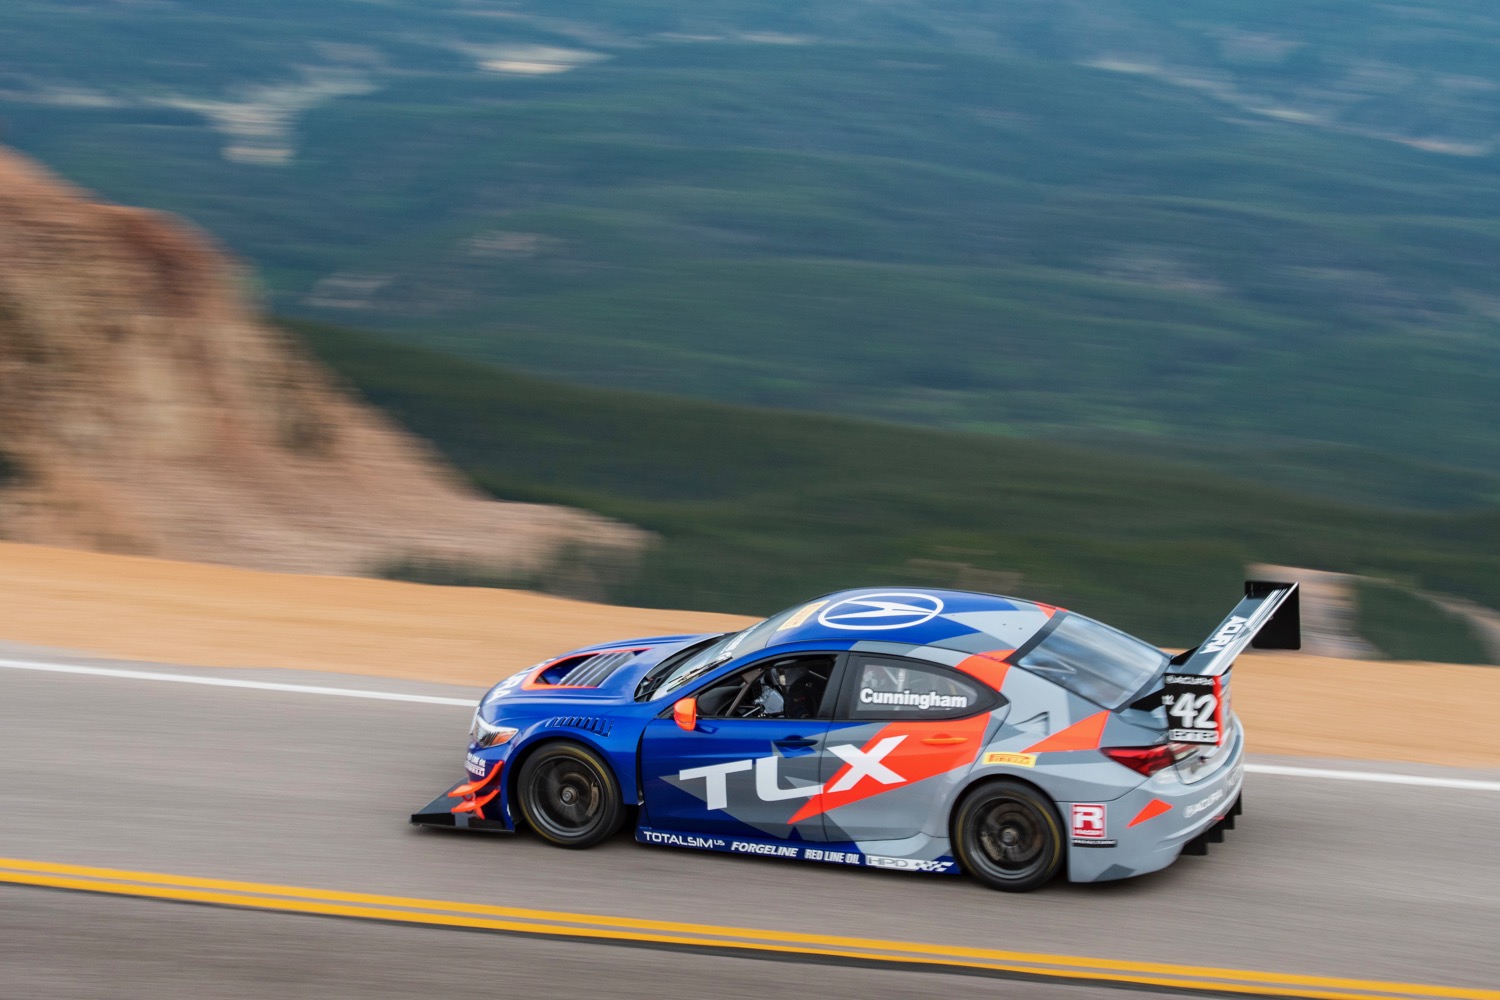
[[569, 796], [1007, 835]]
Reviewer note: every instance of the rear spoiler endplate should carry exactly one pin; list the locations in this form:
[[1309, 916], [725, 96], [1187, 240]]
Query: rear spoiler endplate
[[1268, 617]]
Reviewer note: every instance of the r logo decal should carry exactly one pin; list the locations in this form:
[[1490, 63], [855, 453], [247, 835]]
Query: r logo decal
[[1088, 821]]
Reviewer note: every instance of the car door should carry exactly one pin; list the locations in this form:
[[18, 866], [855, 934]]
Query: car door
[[905, 734], [754, 758]]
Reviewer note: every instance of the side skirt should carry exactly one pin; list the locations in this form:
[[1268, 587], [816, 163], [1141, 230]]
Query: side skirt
[[831, 853]]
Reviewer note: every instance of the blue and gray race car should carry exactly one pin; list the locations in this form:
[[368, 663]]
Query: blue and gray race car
[[918, 730]]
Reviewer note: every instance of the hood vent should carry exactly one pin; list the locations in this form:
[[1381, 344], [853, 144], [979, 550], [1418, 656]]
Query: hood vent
[[589, 670]]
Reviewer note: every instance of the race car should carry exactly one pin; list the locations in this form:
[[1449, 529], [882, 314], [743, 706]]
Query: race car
[[909, 729]]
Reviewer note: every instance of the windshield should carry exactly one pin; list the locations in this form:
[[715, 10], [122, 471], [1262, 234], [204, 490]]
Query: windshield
[[1099, 663], [696, 665], [682, 672]]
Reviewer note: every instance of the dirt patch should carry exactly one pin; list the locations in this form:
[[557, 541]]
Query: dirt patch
[[1419, 713], [174, 612], [178, 612]]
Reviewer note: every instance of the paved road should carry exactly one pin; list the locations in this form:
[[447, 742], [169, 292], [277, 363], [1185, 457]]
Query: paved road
[[1328, 878], [115, 948]]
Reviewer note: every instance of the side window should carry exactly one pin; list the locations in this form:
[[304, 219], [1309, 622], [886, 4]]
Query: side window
[[888, 688], [786, 687]]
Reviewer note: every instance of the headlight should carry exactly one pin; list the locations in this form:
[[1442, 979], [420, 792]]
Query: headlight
[[483, 735]]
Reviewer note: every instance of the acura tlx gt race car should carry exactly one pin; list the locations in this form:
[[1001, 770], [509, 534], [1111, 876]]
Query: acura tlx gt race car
[[921, 730]]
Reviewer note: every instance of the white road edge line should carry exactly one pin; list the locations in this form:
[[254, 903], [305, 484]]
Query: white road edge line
[[1330, 774], [147, 675], [1468, 784]]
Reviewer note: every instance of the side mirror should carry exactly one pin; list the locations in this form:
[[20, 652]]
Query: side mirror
[[685, 713]]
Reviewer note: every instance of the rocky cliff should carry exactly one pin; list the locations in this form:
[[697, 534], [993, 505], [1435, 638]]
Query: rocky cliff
[[144, 408]]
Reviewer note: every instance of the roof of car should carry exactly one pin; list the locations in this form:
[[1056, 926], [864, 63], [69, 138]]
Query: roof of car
[[918, 617]]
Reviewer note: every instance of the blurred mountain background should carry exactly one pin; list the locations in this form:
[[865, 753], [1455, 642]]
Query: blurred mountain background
[[1157, 290], [145, 409]]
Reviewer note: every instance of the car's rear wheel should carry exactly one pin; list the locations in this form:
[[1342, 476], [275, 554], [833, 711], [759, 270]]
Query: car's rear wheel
[[1007, 835], [569, 796]]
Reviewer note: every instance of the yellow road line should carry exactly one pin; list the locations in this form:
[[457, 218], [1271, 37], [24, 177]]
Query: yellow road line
[[552, 916], [297, 899]]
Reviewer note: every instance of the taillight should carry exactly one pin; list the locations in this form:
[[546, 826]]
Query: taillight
[[1149, 760]]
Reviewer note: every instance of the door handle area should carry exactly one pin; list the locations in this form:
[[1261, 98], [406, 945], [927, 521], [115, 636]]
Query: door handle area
[[945, 741], [795, 742]]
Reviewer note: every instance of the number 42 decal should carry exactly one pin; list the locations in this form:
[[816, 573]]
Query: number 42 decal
[[1194, 706], [1196, 711]]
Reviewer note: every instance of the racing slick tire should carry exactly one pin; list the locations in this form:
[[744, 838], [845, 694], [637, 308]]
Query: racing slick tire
[[1008, 835], [569, 796]]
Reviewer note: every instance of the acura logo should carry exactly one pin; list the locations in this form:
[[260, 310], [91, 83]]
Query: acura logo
[[872, 612]]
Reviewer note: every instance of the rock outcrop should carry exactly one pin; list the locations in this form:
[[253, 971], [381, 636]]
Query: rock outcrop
[[146, 409]]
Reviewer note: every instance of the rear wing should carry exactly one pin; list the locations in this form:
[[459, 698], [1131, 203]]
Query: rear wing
[[1269, 617]]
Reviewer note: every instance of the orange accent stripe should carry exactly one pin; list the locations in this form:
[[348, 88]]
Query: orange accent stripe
[[988, 668], [534, 681], [469, 789], [1150, 810], [913, 759], [1083, 735], [475, 786], [473, 805]]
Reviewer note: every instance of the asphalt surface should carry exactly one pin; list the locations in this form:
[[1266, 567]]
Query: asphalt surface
[[1326, 878], [116, 948]]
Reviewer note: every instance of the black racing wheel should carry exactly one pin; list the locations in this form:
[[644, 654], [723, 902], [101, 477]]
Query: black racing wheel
[[568, 795], [1007, 835]]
